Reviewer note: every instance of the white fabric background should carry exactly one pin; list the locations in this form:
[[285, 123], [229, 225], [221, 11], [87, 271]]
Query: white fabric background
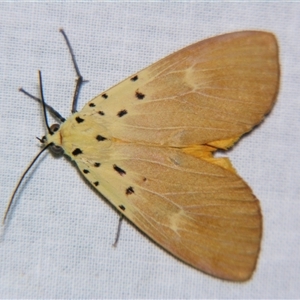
[[59, 235]]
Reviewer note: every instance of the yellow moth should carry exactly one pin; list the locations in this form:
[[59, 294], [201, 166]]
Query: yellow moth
[[147, 145]]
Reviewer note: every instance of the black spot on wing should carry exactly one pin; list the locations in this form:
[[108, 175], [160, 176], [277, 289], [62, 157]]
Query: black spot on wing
[[119, 170], [100, 112], [104, 96], [122, 113], [85, 171], [129, 190], [92, 105], [96, 183], [79, 120], [96, 164], [139, 95], [100, 138], [76, 152], [134, 78], [122, 207]]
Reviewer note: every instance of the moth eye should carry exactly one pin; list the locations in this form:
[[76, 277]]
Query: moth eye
[[57, 150], [54, 127]]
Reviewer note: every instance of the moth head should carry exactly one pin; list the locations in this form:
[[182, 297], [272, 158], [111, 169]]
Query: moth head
[[53, 138]]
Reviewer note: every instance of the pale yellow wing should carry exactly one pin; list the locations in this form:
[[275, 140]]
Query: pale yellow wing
[[216, 89], [203, 214]]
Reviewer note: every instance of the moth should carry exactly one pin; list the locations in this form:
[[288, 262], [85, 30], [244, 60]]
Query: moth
[[148, 143]]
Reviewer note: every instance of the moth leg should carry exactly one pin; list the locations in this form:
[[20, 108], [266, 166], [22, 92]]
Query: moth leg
[[79, 79], [118, 231]]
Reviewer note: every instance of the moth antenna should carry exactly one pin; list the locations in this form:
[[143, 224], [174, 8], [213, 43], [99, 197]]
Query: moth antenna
[[51, 110], [79, 79], [118, 231], [43, 102], [19, 183], [41, 140]]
